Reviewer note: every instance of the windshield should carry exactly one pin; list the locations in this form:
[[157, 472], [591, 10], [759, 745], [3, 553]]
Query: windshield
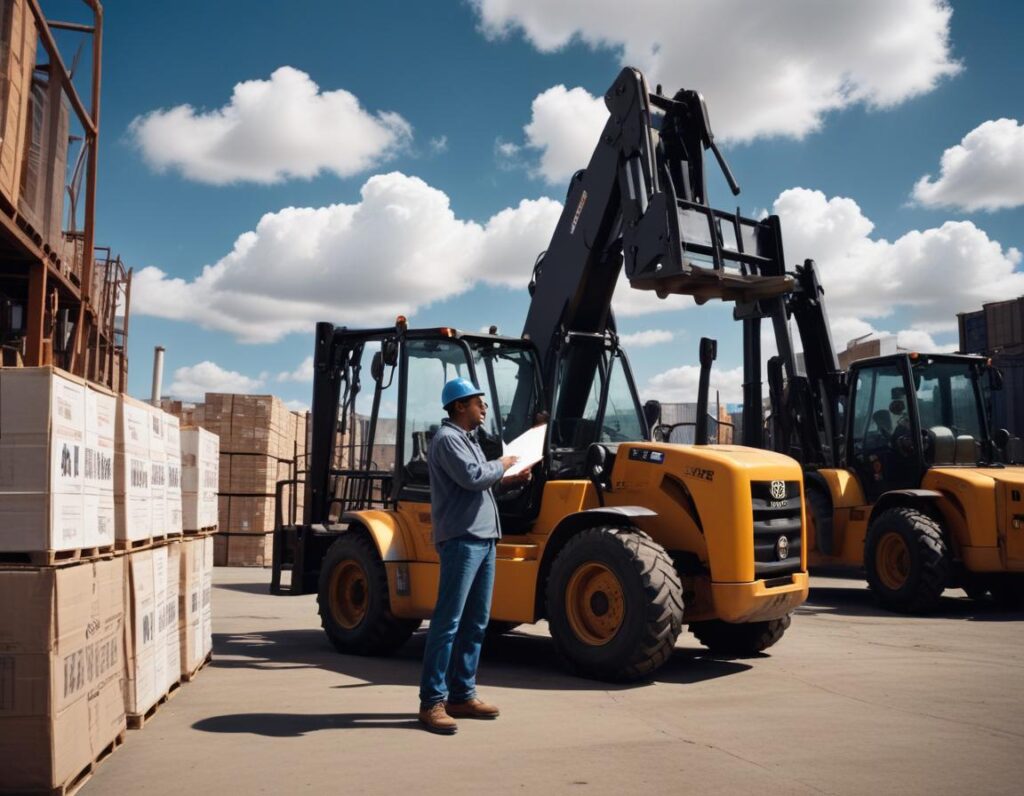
[[587, 373], [949, 403], [509, 375]]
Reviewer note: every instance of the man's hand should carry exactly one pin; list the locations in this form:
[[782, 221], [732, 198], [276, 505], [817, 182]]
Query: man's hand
[[507, 462], [519, 478]]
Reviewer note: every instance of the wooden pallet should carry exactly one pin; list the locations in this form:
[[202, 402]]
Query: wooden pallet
[[75, 783], [188, 678], [57, 558], [136, 721], [166, 537], [133, 545], [201, 531]]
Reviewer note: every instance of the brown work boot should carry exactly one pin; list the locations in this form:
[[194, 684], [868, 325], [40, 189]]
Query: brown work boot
[[472, 709], [435, 719]]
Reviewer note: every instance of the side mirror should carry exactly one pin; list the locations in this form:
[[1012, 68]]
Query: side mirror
[[995, 378], [377, 366], [652, 413], [389, 350], [1000, 438]]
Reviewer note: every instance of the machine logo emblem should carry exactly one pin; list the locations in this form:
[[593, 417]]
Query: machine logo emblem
[[782, 548], [778, 490]]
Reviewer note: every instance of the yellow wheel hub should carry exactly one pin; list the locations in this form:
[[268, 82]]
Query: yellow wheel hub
[[594, 603], [349, 596], [892, 560]]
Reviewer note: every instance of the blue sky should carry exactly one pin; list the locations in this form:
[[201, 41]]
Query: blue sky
[[409, 188]]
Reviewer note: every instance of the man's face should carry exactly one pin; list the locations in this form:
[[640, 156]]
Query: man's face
[[472, 412]]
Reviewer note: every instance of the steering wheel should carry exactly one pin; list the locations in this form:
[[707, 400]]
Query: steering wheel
[[901, 440]]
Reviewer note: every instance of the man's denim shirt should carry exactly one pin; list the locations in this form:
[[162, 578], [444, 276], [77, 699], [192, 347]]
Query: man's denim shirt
[[461, 501]]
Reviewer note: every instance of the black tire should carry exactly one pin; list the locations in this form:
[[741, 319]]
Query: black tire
[[648, 603], [357, 616], [916, 585], [1008, 590], [747, 638]]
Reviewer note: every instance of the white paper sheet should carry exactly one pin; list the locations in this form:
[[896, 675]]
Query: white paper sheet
[[529, 447]]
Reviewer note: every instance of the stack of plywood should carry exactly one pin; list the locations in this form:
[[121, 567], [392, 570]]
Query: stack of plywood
[[260, 440], [56, 466], [62, 671]]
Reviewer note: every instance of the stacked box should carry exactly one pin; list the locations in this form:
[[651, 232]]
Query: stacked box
[[200, 467], [194, 614], [249, 550], [172, 494], [42, 441], [132, 471], [261, 443], [151, 638], [98, 468], [158, 471], [169, 670], [62, 668], [208, 593]]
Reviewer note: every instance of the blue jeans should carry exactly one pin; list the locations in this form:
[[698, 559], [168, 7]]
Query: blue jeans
[[460, 618]]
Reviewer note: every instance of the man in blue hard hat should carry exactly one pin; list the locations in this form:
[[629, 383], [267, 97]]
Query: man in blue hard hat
[[466, 528]]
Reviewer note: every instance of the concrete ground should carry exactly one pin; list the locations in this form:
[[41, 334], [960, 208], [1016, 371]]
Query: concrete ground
[[852, 700]]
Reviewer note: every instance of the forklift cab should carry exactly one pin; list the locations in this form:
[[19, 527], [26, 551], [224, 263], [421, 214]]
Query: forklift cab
[[910, 412], [504, 368]]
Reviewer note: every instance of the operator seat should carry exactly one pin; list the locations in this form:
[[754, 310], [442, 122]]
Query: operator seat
[[943, 445]]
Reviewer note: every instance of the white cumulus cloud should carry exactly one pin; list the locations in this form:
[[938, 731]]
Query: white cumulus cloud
[[269, 131], [563, 129], [193, 382], [303, 373], [927, 275], [679, 385], [398, 249], [766, 69], [646, 338], [985, 171]]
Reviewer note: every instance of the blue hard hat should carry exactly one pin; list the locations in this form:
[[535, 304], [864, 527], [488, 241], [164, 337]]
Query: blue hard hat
[[457, 389]]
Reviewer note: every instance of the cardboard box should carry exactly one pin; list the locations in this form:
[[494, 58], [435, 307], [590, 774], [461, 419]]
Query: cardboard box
[[98, 484], [169, 670], [62, 667], [158, 470], [251, 514], [42, 460], [133, 510], [208, 594], [152, 647], [194, 611], [250, 550], [200, 474], [172, 497]]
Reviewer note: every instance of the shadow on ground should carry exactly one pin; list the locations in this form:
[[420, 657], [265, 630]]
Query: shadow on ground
[[840, 597], [514, 660], [294, 725], [247, 588]]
